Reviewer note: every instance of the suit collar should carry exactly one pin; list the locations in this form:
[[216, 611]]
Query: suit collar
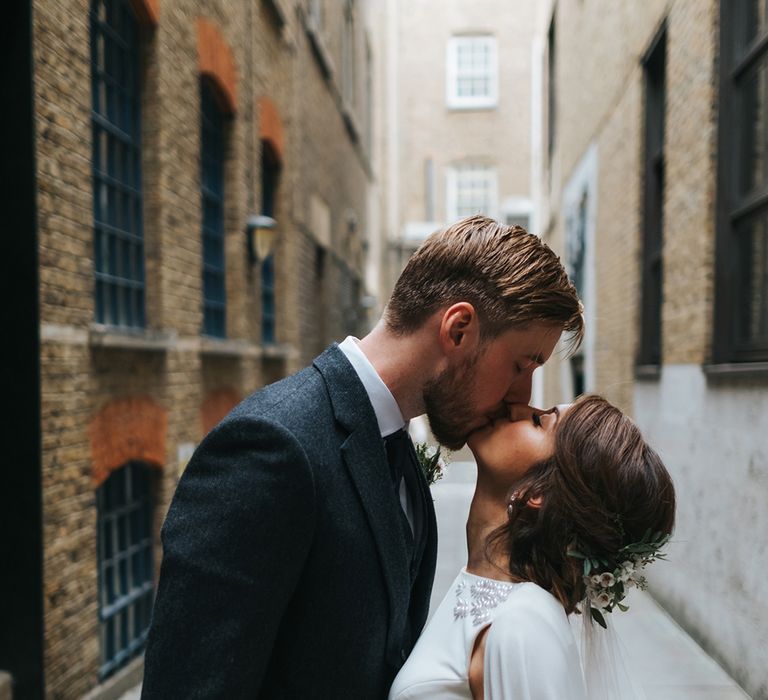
[[388, 414]]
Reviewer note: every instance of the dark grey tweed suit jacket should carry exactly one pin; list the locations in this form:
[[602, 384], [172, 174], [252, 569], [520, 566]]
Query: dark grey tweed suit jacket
[[285, 567]]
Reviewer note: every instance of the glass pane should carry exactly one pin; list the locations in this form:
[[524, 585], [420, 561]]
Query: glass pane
[[752, 303], [108, 549], [109, 586], [753, 129], [754, 22]]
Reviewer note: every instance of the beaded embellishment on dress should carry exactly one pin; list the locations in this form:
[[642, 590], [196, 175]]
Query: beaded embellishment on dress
[[484, 596]]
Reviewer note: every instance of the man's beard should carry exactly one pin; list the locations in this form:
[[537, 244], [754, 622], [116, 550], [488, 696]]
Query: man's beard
[[447, 402]]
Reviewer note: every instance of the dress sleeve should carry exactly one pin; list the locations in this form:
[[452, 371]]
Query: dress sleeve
[[527, 657]]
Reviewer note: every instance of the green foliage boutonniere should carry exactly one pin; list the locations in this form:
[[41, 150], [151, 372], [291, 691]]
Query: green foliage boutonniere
[[431, 461]]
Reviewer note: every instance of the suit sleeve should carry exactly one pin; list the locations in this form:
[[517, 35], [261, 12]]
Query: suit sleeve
[[234, 543], [526, 658]]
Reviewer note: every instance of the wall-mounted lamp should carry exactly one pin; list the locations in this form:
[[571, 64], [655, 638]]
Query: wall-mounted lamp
[[260, 234]]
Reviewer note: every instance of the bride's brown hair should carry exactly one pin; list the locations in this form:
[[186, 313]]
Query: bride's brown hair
[[601, 490]]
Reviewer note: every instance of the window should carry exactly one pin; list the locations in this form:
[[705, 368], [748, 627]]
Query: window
[[270, 174], [212, 196], [472, 72], [471, 190], [651, 294], [576, 249], [551, 91], [118, 245], [124, 514], [741, 326]]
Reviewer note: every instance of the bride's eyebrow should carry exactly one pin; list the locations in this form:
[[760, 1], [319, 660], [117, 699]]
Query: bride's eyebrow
[[538, 359]]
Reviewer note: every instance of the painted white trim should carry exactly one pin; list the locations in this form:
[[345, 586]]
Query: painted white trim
[[453, 185], [584, 181], [452, 98]]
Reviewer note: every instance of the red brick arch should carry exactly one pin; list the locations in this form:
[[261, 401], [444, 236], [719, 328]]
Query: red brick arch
[[271, 126], [127, 429], [147, 11], [216, 404], [217, 63]]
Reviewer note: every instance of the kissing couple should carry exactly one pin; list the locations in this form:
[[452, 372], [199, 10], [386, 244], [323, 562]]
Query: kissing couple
[[299, 549]]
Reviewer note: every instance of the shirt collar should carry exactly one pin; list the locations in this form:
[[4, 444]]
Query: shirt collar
[[385, 407]]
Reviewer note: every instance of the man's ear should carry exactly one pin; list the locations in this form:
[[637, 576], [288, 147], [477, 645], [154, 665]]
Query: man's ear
[[459, 327]]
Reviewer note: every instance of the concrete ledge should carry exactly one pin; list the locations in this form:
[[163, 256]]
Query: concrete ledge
[[279, 352], [736, 370], [225, 347], [116, 686], [100, 336], [6, 686]]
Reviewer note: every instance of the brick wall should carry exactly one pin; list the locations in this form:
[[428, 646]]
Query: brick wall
[[90, 375]]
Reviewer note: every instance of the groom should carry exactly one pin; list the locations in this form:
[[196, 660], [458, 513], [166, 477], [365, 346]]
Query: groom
[[299, 549]]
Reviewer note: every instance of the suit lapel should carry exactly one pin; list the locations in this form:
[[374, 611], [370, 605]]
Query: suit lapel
[[364, 455], [427, 555]]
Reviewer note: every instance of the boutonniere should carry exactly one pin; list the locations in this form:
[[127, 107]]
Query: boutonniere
[[431, 460]]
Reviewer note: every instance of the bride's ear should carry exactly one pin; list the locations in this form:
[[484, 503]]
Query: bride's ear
[[535, 502]]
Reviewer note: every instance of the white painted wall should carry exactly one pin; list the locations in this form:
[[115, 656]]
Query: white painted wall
[[713, 437]]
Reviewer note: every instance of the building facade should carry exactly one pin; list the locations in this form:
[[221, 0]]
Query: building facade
[[454, 137], [169, 137], [653, 185]]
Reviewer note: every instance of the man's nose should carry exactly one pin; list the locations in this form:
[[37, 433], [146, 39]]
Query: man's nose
[[520, 390]]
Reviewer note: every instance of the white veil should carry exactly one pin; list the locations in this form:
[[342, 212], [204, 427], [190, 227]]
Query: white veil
[[603, 661]]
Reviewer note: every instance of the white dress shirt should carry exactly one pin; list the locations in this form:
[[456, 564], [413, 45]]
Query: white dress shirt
[[388, 414]]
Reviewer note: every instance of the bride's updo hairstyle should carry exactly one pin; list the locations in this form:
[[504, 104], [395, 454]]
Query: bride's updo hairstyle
[[603, 489]]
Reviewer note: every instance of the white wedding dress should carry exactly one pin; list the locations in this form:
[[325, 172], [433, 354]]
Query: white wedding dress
[[530, 650]]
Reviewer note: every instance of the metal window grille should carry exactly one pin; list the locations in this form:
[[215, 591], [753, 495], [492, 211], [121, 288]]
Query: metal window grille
[[268, 300], [741, 327], [118, 244], [212, 193], [124, 506], [472, 190], [653, 210], [270, 175]]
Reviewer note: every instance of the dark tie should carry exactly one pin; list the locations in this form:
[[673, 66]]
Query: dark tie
[[398, 456]]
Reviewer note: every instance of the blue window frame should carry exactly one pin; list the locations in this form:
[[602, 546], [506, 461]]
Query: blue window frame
[[118, 243], [268, 300], [212, 193], [270, 175], [124, 507]]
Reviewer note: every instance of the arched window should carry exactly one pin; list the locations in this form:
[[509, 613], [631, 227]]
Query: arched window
[[212, 194], [124, 506], [118, 245], [270, 176]]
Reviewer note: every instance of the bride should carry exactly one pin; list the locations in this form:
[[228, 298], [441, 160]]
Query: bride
[[570, 504]]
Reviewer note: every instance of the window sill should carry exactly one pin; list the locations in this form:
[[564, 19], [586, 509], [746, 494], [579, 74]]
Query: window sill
[[117, 685], [736, 370], [481, 107], [114, 338], [647, 372], [279, 352], [224, 347]]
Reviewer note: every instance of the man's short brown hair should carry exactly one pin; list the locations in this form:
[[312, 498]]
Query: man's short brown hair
[[510, 276]]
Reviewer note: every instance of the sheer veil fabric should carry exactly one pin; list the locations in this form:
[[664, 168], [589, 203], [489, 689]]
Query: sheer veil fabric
[[604, 662]]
